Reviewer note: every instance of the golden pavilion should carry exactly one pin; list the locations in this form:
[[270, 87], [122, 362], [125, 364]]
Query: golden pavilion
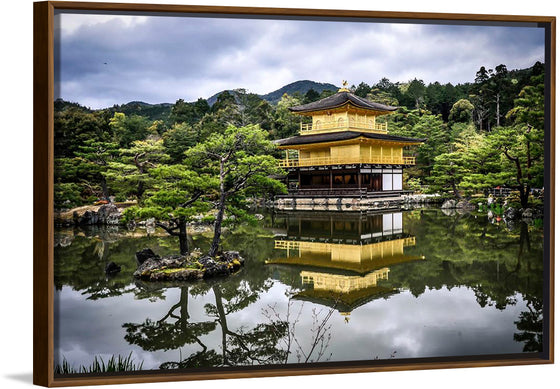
[[344, 152], [343, 259]]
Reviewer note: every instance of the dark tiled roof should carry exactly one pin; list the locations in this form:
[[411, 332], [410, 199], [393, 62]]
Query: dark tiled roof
[[345, 302], [338, 100], [342, 135]]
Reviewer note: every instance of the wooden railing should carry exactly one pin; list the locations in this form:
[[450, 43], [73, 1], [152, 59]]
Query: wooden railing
[[321, 161], [342, 192], [410, 241], [311, 128], [316, 192]]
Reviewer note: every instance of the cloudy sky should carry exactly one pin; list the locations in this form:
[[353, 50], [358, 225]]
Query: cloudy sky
[[101, 60]]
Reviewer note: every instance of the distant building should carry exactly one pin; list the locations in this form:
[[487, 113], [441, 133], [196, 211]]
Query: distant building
[[343, 154]]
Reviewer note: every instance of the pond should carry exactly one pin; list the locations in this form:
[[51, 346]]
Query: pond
[[316, 287]]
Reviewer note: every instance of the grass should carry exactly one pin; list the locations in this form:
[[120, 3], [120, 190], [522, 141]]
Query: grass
[[114, 364], [190, 266], [174, 270]]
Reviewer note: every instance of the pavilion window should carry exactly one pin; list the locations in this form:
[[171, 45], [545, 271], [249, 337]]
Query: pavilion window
[[397, 181], [387, 181], [387, 224], [397, 222]]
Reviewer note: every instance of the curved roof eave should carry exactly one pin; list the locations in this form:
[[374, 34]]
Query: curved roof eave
[[339, 100], [343, 136]]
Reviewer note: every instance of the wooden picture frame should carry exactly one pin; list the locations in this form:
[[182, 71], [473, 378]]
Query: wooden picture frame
[[43, 200]]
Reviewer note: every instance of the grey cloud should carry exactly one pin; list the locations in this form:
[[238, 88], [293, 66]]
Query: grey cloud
[[166, 58]]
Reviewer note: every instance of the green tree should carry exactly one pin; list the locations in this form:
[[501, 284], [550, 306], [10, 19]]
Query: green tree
[[324, 94], [127, 129], [500, 82], [389, 89], [493, 94], [461, 112], [67, 195], [239, 160], [383, 97], [362, 89], [74, 125], [481, 110], [310, 96], [465, 169], [416, 90], [434, 97], [225, 100], [190, 113], [439, 99], [247, 107], [428, 127], [286, 123], [178, 139], [480, 97], [130, 172], [522, 144], [529, 105], [158, 127], [174, 200], [522, 156], [93, 158], [264, 116], [448, 172], [224, 113], [68, 189]]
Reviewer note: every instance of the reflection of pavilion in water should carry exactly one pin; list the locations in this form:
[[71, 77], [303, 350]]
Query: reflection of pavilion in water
[[344, 257]]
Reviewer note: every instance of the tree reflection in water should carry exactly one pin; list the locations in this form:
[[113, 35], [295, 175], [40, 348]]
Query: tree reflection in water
[[320, 332], [501, 264], [530, 324], [269, 342], [168, 335]]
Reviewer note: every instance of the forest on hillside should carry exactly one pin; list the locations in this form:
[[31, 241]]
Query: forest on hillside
[[479, 135]]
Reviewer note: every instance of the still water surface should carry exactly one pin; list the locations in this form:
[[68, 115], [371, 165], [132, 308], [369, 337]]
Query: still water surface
[[315, 287]]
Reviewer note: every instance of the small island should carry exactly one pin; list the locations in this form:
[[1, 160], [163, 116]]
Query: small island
[[190, 267]]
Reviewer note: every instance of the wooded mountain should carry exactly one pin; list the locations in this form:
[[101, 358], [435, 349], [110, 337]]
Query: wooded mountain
[[162, 111], [152, 111], [274, 97], [301, 87]]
